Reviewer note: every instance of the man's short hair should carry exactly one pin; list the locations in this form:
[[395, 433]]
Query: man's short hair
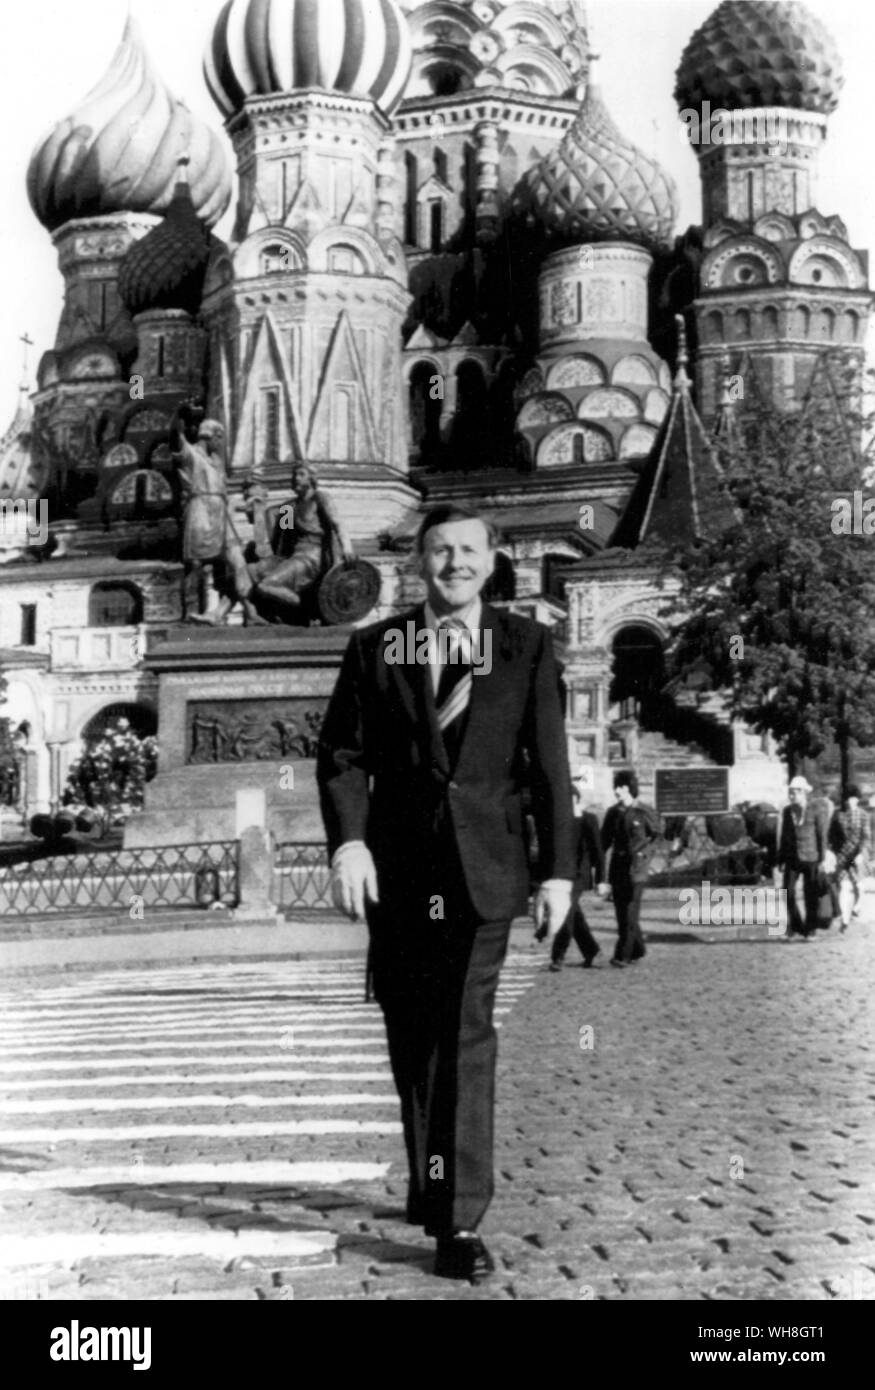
[[207, 429], [449, 511], [626, 779], [852, 790], [304, 468]]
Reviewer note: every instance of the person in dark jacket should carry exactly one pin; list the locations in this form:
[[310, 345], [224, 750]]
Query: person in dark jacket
[[848, 837], [628, 831], [802, 846], [589, 870], [422, 767]]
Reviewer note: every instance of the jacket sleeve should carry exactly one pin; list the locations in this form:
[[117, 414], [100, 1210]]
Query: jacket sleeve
[[342, 766], [549, 774]]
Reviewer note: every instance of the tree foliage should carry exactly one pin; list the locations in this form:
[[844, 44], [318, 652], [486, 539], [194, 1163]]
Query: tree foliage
[[111, 775], [797, 592]]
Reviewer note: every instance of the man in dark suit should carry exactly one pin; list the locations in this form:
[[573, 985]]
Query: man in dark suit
[[629, 828], [589, 870], [423, 759], [802, 847]]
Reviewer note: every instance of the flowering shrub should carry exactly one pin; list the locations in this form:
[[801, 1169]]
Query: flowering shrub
[[111, 774]]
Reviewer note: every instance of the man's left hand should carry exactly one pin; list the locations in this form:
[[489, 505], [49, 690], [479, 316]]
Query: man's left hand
[[551, 906]]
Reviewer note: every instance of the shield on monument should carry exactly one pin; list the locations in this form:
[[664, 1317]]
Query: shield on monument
[[348, 591]]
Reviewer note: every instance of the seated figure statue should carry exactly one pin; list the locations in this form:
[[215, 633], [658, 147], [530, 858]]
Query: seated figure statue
[[291, 558]]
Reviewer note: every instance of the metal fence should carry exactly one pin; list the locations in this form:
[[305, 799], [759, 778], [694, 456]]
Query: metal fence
[[178, 876], [302, 876]]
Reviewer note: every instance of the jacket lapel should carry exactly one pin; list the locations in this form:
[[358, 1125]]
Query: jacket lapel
[[415, 686], [480, 717]]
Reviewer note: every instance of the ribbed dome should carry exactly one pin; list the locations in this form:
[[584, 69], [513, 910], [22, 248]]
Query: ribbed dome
[[598, 186], [117, 152], [167, 267], [767, 53], [264, 47]]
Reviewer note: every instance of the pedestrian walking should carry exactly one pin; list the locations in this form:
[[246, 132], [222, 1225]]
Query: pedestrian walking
[[849, 839], [628, 832], [802, 849], [589, 870], [422, 766]]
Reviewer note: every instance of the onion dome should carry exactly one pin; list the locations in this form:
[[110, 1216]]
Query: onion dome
[[267, 47], [117, 152], [760, 53], [597, 186], [167, 267]]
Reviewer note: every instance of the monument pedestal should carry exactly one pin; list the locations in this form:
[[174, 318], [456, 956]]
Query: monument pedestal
[[239, 711]]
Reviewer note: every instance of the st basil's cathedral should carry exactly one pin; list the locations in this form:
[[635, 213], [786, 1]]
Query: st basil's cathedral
[[450, 276]]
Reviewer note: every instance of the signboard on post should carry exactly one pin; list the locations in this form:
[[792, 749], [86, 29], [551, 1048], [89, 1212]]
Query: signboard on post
[[691, 791]]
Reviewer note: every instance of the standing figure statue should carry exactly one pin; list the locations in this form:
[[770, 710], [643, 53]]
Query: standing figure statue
[[293, 557], [209, 536]]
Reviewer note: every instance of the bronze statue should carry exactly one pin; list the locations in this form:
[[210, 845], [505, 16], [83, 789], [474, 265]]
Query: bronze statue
[[296, 543], [209, 535]]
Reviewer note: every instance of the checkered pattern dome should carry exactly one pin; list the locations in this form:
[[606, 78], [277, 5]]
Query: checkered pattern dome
[[762, 53], [598, 186]]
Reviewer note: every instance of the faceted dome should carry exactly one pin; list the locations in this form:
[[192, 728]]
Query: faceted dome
[[265, 47], [166, 268], [117, 152], [598, 186], [760, 53]]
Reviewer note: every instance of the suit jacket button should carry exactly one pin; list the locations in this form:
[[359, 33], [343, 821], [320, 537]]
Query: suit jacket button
[[454, 786]]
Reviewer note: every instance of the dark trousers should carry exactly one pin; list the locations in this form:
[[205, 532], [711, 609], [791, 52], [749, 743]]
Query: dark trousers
[[575, 925], [436, 982], [627, 906], [810, 893]]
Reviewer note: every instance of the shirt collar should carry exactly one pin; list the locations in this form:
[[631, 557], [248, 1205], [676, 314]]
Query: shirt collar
[[471, 616]]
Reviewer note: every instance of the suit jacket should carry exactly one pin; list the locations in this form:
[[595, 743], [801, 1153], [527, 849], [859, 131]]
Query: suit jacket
[[629, 831], [385, 776], [589, 858], [807, 842]]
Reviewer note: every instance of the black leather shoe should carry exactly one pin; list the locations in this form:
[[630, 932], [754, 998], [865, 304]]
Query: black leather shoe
[[591, 962], [463, 1256], [620, 964], [555, 965]]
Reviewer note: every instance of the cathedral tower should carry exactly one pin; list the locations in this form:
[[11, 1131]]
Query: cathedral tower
[[779, 286], [305, 313], [98, 182]]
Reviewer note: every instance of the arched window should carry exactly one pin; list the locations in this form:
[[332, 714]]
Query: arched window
[[471, 423], [425, 395], [274, 259], [412, 185], [114, 603]]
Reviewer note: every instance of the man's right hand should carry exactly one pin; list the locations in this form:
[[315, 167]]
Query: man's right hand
[[353, 879]]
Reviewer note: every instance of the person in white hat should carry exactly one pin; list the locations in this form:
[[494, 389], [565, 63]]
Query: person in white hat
[[802, 850]]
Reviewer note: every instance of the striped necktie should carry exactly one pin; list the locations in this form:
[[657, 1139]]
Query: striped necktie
[[454, 687]]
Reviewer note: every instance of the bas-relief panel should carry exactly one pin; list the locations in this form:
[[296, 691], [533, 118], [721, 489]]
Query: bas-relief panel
[[245, 731]]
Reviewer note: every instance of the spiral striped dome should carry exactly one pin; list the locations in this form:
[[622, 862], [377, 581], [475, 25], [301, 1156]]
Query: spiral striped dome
[[265, 47], [118, 150]]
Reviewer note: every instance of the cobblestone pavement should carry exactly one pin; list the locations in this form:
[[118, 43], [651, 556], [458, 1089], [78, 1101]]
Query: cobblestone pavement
[[696, 1127]]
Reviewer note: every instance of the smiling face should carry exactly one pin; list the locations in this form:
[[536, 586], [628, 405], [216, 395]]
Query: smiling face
[[456, 562]]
